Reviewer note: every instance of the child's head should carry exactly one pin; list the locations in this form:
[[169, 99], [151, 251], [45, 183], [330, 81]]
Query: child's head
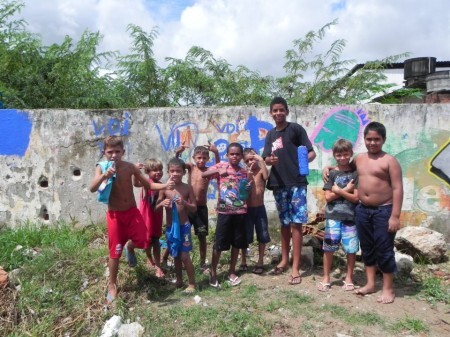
[[176, 169], [374, 137], [113, 148], [234, 153], [154, 168], [342, 151], [377, 127], [200, 156], [279, 100], [248, 158]]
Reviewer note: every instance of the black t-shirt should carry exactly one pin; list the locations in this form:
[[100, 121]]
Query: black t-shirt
[[340, 209], [284, 145]]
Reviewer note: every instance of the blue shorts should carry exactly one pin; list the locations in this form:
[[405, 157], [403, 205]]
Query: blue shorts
[[377, 244], [186, 245], [256, 220], [291, 204], [340, 231]]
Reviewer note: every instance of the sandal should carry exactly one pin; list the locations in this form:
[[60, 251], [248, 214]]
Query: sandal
[[348, 286], [277, 271], [323, 286], [243, 267], [294, 280], [258, 270], [234, 281]]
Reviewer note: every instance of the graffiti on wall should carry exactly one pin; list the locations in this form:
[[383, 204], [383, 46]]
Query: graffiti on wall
[[15, 128], [111, 127], [439, 164], [340, 122]]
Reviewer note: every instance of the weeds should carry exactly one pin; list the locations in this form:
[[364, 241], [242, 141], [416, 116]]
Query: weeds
[[433, 291], [411, 325]]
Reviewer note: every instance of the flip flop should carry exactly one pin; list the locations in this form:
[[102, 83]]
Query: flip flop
[[189, 291], [130, 256], [348, 286], [294, 280], [215, 284], [234, 281], [277, 271], [323, 286], [243, 267], [258, 270], [109, 298]]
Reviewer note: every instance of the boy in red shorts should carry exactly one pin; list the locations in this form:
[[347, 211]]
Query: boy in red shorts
[[113, 180]]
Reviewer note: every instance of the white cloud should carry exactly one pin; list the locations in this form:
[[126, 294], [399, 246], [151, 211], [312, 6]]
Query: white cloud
[[254, 33]]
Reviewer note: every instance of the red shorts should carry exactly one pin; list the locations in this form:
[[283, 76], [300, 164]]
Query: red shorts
[[124, 226]]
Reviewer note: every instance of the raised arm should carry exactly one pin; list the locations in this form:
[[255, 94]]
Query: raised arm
[[99, 177], [213, 149], [136, 182]]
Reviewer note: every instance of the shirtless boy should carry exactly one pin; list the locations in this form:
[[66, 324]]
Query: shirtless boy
[[124, 221], [199, 219], [183, 196], [256, 219], [377, 215]]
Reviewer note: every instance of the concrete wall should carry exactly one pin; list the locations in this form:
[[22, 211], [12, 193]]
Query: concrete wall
[[49, 156]]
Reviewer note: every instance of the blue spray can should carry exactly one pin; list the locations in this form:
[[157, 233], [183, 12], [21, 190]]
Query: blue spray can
[[303, 163]]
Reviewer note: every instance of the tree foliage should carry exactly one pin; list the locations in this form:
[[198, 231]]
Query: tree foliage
[[70, 74]]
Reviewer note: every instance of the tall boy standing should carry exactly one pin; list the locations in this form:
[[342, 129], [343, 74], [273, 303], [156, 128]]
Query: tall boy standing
[[289, 187], [123, 218], [231, 209], [199, 219], [378, 213]]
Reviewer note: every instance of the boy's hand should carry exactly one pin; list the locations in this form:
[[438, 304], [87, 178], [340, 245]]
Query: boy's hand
[[212, 148], [393, 224], [326, 173], [179, 150], [110, 172], [350, 186], [166, 203], [223, 172], [140, 166], [335, 188], [272, 160], [170, 185]]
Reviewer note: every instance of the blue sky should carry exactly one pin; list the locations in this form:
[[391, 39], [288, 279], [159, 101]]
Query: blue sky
[[253, 33]]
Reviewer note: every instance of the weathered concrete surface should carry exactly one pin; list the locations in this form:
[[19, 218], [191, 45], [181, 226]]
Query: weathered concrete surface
[[48, 156]]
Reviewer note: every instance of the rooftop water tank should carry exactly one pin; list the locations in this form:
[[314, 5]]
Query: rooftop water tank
[[438, 81], [419, 66]]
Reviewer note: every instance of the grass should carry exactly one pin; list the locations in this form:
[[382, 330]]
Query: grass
[[62, 286]]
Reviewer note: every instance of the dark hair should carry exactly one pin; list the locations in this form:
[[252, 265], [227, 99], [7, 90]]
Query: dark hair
[[201, 150], [248, 150], [176, 162], [239, 146], [112, 141], [152, 164], [342, 145], [278, 100], [377, 127]]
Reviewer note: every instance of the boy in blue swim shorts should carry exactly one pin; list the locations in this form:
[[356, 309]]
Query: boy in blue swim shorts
[[341, 195], [289, 187], [178, 203]]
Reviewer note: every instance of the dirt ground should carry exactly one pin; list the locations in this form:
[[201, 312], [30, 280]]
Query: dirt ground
[[406, 305]]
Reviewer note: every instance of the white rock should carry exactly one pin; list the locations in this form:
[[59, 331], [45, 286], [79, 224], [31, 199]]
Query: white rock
[[131, 330], [112, 326]]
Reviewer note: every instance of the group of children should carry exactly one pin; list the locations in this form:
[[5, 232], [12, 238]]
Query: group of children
[[364, 199]]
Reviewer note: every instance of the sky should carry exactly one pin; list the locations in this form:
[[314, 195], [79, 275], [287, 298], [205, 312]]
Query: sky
[[253, 33]]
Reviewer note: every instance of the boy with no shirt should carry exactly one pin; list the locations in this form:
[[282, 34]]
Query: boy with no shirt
[[380, 192], [183, 195], [199, 219], [124, 220]]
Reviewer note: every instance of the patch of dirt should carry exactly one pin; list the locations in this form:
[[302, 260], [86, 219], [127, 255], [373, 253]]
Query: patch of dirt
[[407, 304]]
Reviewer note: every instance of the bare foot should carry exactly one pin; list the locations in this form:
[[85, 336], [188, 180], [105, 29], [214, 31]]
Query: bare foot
[[365, 291], [159, 272], [386, 297]]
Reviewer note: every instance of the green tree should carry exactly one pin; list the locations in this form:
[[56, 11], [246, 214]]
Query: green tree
[[140, 79], [325, 78]]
